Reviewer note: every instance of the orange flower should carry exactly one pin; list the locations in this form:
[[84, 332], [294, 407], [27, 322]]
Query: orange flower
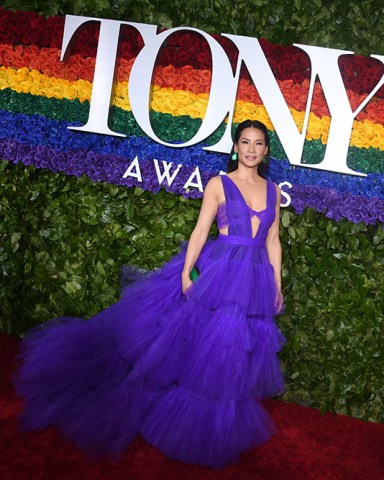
[[124, 69]]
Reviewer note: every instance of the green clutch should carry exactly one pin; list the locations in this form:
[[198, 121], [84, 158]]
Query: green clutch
[[194, 275]]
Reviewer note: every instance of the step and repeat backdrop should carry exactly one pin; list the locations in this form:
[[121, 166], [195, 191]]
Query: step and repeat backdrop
[[133, 105], [109, 132]]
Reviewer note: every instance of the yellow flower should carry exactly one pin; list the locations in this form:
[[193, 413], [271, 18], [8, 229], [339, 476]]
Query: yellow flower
[[21, 75], [315, 128], [378, 142]]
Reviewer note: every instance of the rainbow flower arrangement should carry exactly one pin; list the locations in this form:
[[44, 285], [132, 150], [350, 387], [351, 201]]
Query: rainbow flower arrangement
[[40, 96]]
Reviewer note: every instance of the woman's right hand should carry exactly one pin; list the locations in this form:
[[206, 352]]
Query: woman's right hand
[[213, 194], [186, 282]]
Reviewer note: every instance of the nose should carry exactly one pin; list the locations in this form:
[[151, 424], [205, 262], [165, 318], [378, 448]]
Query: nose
[[251, 147]]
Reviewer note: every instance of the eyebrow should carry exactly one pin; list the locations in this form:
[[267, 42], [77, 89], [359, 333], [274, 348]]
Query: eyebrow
[[257, 140]]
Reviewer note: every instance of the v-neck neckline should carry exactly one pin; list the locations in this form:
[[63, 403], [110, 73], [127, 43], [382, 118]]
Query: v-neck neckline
[[245, 203]]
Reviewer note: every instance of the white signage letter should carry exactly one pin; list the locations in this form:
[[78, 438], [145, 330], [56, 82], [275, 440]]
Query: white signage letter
[[285, 194], [136, 173], [197, 184], [165, 175], [104, 67], [324, 64], [140, 87]]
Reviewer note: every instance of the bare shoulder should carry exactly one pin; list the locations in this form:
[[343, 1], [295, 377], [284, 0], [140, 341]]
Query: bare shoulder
[[214, 189], [214, 186], [214, 182]]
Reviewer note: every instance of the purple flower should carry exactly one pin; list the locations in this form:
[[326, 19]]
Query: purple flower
[[47, 143]]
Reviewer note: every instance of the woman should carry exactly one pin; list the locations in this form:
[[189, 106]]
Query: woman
[[250, 155], [184, 364]]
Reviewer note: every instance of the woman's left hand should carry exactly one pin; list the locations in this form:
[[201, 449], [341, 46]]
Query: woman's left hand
[[279, 302]]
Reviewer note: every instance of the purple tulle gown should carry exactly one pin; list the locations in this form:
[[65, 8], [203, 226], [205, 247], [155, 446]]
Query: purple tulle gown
[[186, 373]]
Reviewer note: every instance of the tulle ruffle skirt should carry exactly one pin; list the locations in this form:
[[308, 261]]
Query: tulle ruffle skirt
[[186, 372]]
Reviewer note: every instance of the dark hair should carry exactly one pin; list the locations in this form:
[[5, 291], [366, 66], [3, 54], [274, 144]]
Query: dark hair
[[262, 169]]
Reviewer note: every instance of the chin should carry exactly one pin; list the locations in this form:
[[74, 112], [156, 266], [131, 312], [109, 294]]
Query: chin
[[252, 164]]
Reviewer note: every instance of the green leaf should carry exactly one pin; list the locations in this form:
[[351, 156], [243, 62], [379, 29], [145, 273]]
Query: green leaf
[[72, 287], [285, 220], [330, 335], [100, 268], [15, 237]]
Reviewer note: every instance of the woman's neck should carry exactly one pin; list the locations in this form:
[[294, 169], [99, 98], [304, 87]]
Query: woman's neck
[[246, 174]]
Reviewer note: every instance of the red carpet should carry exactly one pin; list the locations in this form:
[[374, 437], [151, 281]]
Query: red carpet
[[309, 446]]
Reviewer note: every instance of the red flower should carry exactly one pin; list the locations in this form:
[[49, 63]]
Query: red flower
[[298, 77], [182, 58], [204, 59], [167, 56]]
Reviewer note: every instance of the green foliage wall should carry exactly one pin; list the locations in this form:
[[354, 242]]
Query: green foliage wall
[[63, 239], [334, 279]]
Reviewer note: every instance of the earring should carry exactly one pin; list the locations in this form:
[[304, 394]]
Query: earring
[[234, 156], [265, 159]]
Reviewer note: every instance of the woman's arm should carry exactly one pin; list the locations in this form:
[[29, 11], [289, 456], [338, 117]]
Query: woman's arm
[[274, 249], [200, 232]]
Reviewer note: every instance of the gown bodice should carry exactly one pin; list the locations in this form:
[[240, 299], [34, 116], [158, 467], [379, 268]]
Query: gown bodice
[[235, 214]]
